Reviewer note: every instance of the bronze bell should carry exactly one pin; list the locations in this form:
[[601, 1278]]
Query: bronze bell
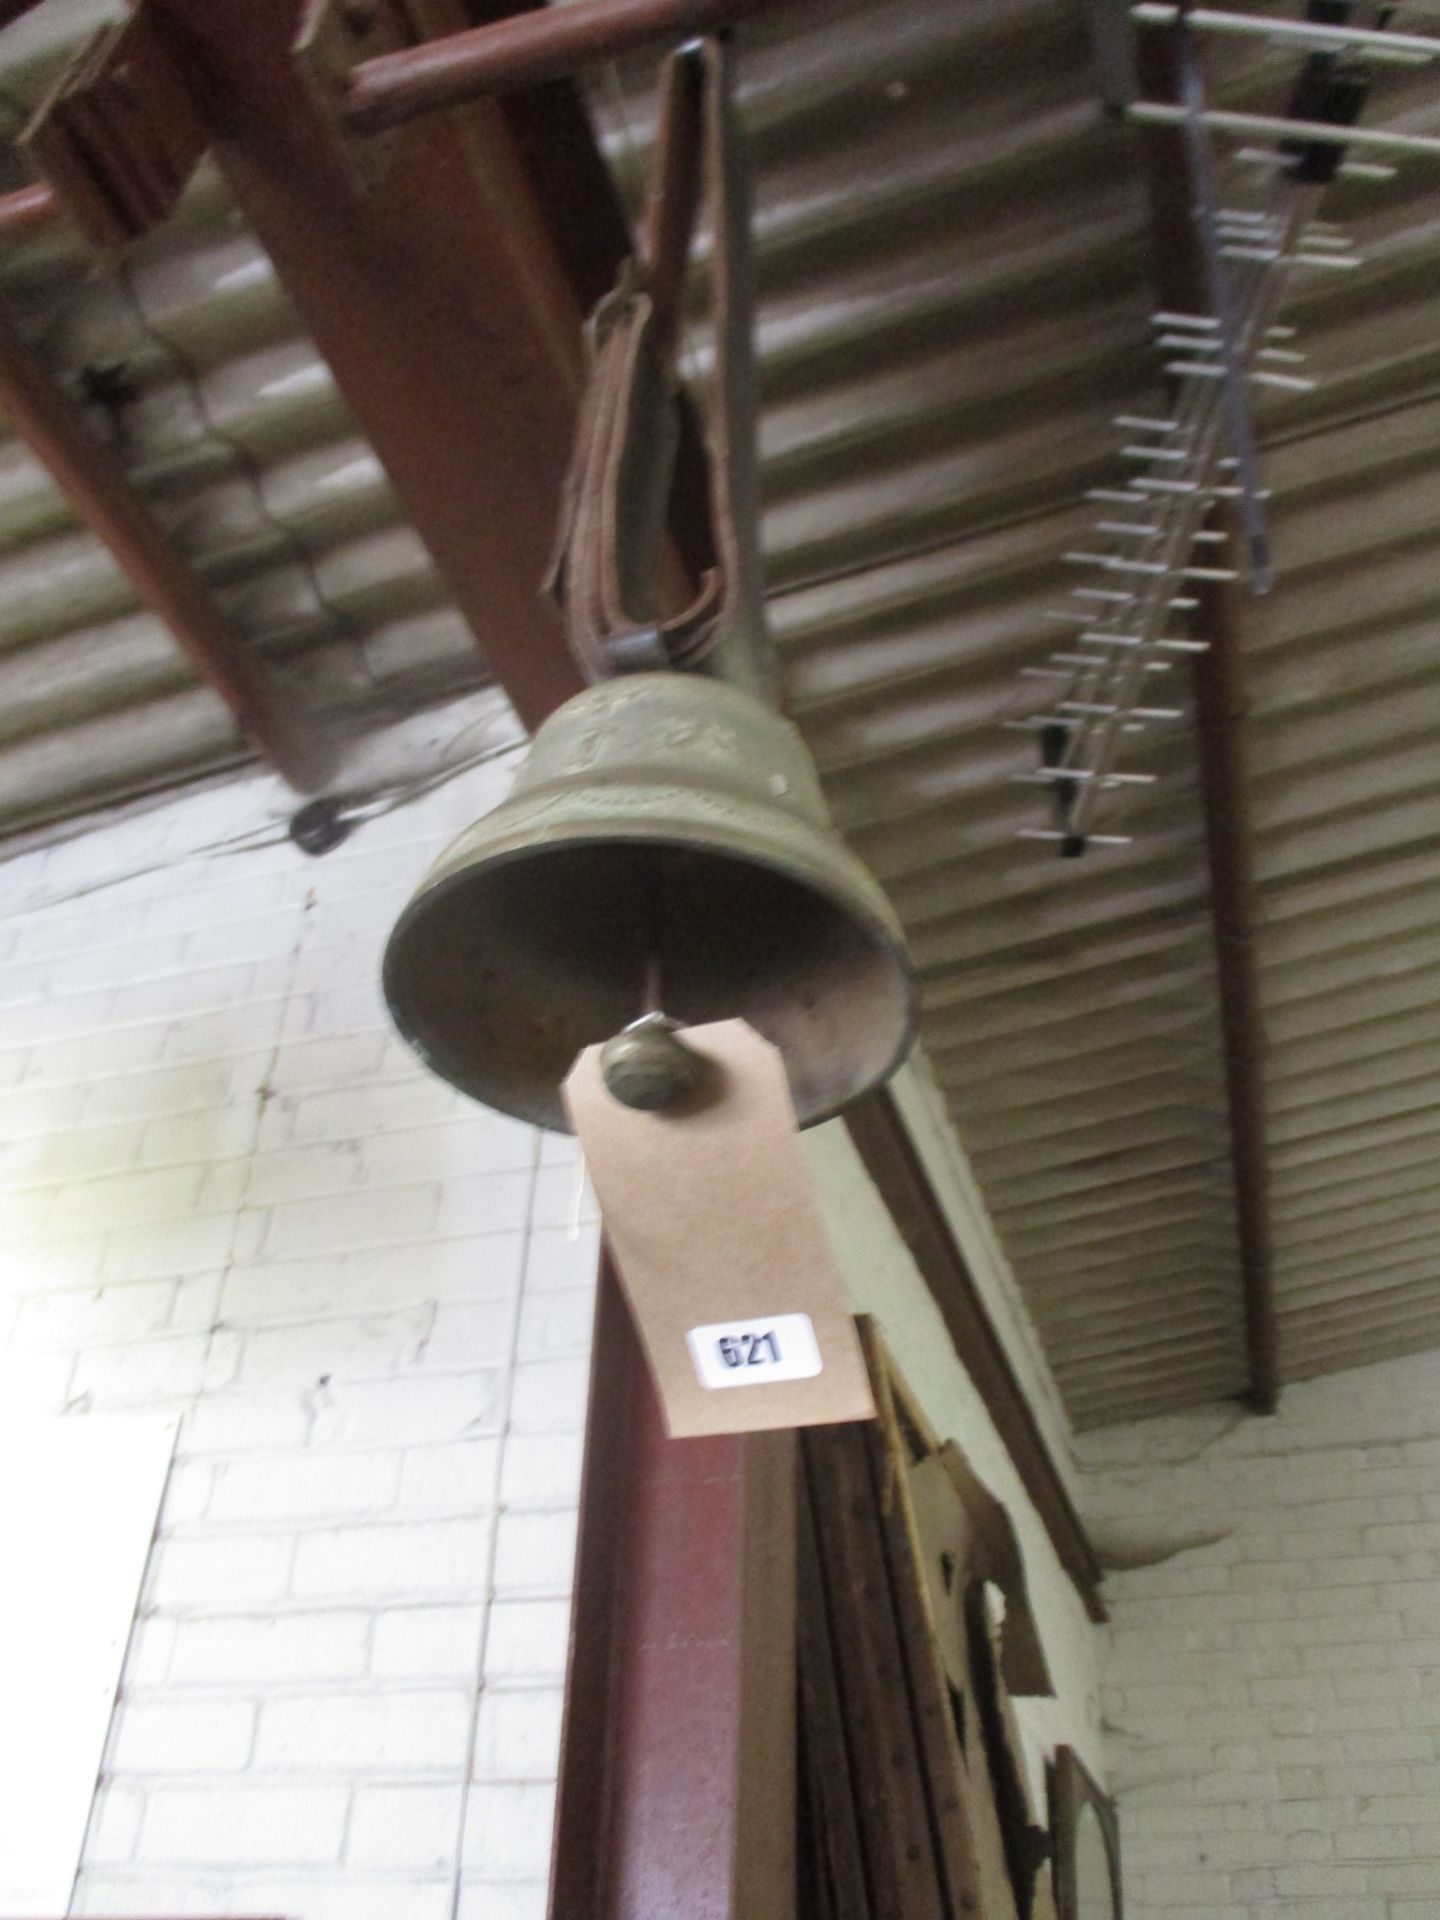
[[666, 845]]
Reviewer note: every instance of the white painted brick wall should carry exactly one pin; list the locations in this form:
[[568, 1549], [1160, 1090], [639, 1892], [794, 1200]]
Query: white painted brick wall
[[227, 1189], [1272, 1700]]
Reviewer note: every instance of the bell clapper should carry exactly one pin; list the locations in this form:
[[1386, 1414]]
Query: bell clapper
[[650, 1002], [647, 1065]]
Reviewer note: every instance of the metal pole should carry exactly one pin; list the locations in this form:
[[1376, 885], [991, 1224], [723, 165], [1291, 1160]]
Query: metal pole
[[524, 50], [1156, 113], [1313, 35], [1220, 706], [28, 210]]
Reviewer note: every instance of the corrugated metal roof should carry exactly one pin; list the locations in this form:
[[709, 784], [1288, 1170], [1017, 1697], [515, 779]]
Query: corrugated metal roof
[[921, 487], [229, 423], [955, 278], [956, 291], [1344, 738]]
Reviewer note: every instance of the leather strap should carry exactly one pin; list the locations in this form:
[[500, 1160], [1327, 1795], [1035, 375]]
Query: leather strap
[[605, 576]]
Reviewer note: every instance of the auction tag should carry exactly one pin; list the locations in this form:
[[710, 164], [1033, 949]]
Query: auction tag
[[749, 1353], [720, 1244]]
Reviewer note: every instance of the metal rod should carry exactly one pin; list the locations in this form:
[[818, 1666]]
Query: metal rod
[[1091, 839], [1306, 33], [1285, 382], [1113, 563], [28, 210], [1156, 113], [523, 50], [1345, 261], [90, 478]]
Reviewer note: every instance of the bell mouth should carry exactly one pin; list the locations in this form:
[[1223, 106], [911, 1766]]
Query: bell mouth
[[500, 972]]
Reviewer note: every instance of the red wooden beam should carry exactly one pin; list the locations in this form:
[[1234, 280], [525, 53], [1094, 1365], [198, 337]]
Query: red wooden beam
[[435, 294], [677, 1775]]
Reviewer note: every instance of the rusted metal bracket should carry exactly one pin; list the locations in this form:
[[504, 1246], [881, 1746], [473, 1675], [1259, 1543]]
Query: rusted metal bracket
[[116, 138]]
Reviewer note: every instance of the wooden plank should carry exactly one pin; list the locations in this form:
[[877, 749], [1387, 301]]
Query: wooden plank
[[1024, 1842], [891, 1800], [974, 1870], [827, 1770]]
